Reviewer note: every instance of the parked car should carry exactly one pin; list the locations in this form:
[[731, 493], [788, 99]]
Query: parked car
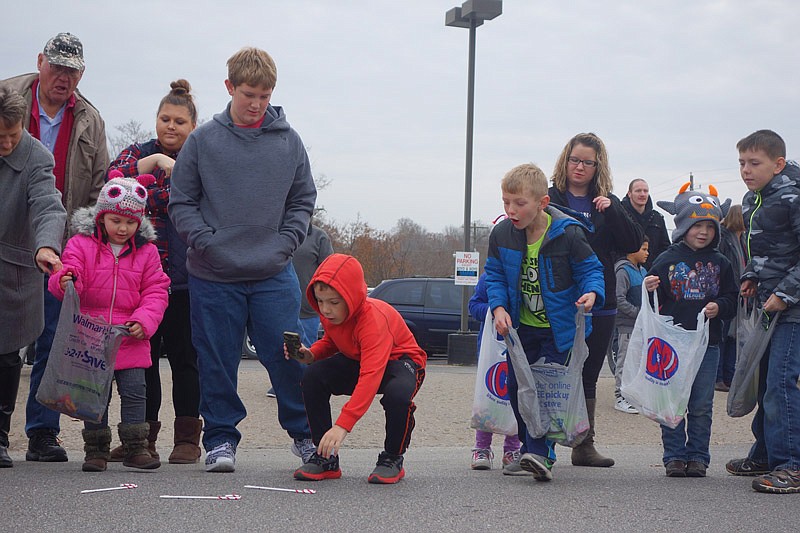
[[430, 306]]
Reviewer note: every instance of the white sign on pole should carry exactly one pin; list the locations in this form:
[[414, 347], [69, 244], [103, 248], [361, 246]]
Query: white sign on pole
[[467, 267]]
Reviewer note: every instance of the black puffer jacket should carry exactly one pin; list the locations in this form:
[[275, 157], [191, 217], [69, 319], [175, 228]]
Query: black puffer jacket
[[653, 225]]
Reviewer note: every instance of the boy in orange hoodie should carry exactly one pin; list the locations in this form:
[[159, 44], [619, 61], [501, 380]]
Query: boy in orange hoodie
[[367, 349]]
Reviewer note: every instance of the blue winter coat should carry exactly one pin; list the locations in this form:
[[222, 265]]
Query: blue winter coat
[[568, 268]]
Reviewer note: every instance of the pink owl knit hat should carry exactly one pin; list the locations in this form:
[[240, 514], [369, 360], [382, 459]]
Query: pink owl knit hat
[[124, 196]]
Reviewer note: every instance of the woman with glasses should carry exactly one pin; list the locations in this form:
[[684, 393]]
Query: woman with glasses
[[582, 182]]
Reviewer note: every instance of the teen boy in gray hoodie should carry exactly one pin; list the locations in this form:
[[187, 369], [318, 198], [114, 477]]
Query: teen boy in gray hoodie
[[242, 197]]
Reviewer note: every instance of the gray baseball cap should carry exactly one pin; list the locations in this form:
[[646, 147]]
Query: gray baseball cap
[[66, 50]]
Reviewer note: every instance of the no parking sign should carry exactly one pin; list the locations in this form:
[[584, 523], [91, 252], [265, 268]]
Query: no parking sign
[[467, 266]]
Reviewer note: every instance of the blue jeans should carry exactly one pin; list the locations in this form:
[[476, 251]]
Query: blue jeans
[[310, 328], [689, 441], [776, 424], [220, 313], [37, 416], [537, 342], [132, 389]]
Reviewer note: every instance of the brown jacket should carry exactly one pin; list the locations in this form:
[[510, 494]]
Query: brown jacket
[[87, 159]]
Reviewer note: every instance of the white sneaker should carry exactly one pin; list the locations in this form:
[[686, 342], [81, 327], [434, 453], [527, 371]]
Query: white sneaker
[[623, 405], [304, 449], [221, 459], [482, 459]]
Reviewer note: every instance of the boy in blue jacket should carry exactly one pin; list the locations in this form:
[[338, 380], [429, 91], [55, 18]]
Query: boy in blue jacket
[[630, 274], [539, 269]]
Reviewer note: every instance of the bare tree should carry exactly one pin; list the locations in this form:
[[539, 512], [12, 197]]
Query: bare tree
[[129, 133]]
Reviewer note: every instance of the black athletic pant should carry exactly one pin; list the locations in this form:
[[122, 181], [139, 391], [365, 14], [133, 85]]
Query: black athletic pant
[[598, 341], [176, 333], [338, 375]]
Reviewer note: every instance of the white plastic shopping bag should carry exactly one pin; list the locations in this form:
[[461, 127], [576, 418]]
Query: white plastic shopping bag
[[550, 396], [491, 408], [77, 379], [661, 363]]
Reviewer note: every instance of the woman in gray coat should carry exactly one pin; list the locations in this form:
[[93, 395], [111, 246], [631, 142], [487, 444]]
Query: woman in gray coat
[[31, 232]]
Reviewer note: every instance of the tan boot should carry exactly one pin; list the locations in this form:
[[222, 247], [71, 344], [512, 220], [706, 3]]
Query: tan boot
[[187, 440], [134, 439], [585, 454], [96, 443]]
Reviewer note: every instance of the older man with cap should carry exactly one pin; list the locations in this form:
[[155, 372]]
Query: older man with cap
[[70, 127]]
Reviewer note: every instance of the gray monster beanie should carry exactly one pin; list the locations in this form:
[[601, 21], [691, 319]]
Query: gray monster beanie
[[691, 207]]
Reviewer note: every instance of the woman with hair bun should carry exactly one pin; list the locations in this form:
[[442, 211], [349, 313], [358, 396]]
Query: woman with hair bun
[[175, 120]]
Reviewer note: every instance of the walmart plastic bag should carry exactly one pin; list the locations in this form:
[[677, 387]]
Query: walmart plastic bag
[[550, 396], [661, 363], [491, 408], [77, 379], [754, 332]]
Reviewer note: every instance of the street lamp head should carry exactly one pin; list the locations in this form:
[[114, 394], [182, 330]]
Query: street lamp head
[[473, 13], [453, 18], [482, 9]]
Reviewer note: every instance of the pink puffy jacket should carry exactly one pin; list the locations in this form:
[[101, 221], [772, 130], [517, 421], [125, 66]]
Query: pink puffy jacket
[[131, 288]]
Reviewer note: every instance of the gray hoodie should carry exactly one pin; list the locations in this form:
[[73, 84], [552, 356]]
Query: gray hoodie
[[242, 198]]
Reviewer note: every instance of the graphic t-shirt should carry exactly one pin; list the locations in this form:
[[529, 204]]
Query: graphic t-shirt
[[532, 311], [581, 204]]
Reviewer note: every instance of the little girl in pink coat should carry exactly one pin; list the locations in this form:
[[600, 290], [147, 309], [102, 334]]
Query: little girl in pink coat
[[117, 274]]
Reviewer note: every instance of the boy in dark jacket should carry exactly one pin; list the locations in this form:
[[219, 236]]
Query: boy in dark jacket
[[540, 267], [772, 221], [367, 349], [692, 276]]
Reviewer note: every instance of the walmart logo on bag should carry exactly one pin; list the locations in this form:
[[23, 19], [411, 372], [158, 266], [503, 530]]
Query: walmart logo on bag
[[497, 380], [662, 359]]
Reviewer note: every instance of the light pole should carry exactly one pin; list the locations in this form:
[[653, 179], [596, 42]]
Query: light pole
[[471, 14]]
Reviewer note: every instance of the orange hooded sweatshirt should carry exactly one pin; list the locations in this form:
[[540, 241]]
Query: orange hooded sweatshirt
[[373, 333]]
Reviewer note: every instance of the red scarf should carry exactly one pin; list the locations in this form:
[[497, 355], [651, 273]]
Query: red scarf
[[64, 133]]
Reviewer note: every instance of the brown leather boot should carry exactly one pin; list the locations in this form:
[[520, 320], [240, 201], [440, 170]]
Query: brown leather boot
[[585, 454], [134, 440], [187, 440], [96, 443]]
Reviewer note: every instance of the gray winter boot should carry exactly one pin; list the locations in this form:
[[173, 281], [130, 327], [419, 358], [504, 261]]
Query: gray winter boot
[[96, 444], [134, 440], [585, 454]]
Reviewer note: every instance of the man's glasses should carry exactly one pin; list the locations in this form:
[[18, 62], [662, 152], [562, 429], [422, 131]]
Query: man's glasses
[[586, 162]]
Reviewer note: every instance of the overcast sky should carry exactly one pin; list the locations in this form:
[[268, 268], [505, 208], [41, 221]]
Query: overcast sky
[[377, 89]]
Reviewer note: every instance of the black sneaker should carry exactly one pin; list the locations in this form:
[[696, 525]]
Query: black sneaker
[[44, 446], [747, 467], [318, 468], [676, 468], [388, 470], [778, 482], [695, 469]]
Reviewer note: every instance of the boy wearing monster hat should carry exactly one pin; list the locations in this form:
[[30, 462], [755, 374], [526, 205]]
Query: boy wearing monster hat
[[708, 286]]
